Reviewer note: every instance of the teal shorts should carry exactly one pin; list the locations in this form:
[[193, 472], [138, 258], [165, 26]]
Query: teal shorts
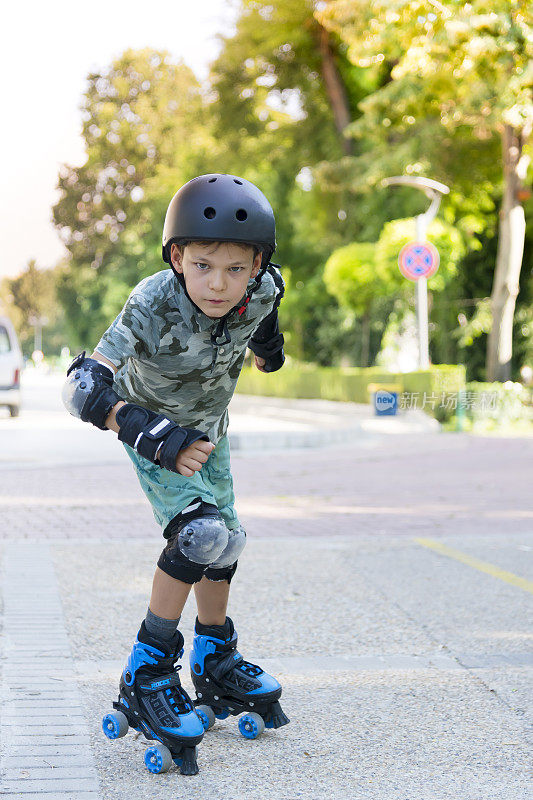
[[169, 492]]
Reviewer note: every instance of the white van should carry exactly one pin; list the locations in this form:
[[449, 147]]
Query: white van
[[10, 367]]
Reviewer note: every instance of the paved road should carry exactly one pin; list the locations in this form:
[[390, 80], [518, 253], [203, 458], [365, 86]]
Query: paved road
[[406, 669]]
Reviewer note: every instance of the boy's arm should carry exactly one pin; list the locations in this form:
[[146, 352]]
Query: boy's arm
[[89, 395], [267, 341], [111, 421]]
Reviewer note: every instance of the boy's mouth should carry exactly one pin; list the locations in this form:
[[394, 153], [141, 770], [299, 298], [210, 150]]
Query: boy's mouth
[[217, 302]]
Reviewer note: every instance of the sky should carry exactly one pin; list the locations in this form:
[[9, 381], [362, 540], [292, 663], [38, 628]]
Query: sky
[[46, 51]]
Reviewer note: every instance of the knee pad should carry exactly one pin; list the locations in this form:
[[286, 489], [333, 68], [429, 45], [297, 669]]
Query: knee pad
[[223, 569], [233, 549], [224, 574], [196, 537]]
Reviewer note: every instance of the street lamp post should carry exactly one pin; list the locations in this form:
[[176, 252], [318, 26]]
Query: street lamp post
[[37, 322], [434, 191]]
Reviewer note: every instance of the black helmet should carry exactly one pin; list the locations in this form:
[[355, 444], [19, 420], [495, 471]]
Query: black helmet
[[220, 208]]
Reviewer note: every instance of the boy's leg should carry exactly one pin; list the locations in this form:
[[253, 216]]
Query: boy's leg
[[187, 512], [168, 595], [212, 601], [224, 681], [150, 695]]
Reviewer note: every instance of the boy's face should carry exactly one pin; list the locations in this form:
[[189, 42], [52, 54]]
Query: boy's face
[[216, 274]]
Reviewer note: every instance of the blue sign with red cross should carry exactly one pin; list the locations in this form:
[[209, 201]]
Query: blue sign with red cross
[[418, 260]]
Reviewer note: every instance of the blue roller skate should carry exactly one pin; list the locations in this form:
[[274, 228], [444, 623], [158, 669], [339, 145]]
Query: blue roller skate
[[151, 700], [227, 684]]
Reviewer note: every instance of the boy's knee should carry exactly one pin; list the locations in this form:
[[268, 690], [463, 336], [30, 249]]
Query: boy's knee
[[233, 549], [197, 537], [223, 569]]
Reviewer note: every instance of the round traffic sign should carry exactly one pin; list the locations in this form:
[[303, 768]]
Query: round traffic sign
[[418, 260]]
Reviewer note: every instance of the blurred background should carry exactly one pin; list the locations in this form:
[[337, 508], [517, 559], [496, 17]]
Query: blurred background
[[315, 102]]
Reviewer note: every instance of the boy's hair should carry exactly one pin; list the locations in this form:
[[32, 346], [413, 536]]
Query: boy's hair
[[182, 244]]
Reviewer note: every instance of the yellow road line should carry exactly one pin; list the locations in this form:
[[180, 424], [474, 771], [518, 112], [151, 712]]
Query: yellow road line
[[483, 566]]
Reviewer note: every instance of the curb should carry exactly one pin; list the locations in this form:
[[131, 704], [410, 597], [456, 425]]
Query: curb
[[365, 431]]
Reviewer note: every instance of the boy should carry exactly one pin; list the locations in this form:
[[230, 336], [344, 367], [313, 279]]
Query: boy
[[162, 377]]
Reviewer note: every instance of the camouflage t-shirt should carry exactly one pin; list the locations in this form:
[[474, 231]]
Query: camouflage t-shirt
[[167, 360]]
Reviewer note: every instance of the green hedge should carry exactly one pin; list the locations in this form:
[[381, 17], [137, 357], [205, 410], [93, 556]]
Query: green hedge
[[350, 384], [491, 406]]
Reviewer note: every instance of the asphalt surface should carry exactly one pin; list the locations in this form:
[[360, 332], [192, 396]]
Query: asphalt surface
[[406, 669]]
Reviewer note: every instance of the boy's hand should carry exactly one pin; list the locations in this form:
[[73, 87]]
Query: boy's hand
[[193, 458], [260, 363]]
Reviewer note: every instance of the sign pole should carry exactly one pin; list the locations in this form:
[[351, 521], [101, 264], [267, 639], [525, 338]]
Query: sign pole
[[422, 303], [419, 260]]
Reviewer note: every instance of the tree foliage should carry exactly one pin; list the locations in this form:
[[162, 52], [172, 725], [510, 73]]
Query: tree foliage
[[350, 275], [141, 118], [459, 95], [421, 94], [31, 299]]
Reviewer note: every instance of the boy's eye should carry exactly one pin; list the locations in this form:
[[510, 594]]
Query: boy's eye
[[204, 267]]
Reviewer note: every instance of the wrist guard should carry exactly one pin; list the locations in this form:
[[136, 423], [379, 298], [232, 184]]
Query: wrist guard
[[154, 436], [88, 391], [267, 342]]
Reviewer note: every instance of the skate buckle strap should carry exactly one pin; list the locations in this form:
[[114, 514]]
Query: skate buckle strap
[[226, 664], [225, 647], [162, 682]]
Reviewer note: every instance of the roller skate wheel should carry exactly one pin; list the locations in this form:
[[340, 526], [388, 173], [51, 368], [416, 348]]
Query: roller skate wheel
[[115, 725], [207, 716], [157, 759], [222, 714], [251, 725]]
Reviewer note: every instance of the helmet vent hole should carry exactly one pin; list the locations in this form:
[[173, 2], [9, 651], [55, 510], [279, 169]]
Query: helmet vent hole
[[209, 212], [211, 180], [241, 215], [236, 181]]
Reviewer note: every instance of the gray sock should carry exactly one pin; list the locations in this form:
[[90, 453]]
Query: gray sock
[[160, 628]]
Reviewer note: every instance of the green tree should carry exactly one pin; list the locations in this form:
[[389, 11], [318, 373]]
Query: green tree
[[350, 275], [30, 300], [142, 118], [460, 74], [283, 92]]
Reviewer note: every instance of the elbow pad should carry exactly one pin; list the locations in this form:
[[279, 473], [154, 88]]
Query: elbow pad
[[88, 391], [267, 342], [154, 436]]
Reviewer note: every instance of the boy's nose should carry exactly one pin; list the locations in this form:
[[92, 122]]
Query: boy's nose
[[216, 282]]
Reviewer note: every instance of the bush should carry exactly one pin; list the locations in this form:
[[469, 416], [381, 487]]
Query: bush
[[423, 389], [488, 406]]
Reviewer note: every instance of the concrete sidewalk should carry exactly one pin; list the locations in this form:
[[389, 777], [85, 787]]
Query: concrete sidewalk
[[279, 422], [406, 671]]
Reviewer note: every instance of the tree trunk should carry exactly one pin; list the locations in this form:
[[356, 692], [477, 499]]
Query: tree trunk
[[511, 236], [365, 338], [335, 90]]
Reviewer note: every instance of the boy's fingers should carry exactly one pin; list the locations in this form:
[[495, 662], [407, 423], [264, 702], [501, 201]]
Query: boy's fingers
[[205, 447], [197, 454], [201, 455], [193, 458], [187, 473], [192, 463]]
